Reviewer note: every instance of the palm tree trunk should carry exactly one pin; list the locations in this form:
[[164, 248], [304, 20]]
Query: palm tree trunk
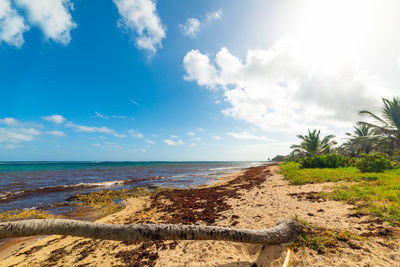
[[283, 232]]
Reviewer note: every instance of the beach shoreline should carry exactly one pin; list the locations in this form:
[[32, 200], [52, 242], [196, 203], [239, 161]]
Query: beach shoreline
[[256, 198], [12, 245]]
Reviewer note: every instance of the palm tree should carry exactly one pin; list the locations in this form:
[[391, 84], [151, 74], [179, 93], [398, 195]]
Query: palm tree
[[362, 140], [313, 144], [388, 125], [283, 232]]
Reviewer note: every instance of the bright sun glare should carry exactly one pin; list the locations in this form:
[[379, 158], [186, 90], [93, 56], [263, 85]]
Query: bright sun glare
[[333, 30]]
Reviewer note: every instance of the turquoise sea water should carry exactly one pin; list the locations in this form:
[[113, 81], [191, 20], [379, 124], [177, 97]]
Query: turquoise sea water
[[39, 184]]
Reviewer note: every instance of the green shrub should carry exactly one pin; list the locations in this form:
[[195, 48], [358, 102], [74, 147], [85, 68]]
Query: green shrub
[[374, 163], [332, 160]]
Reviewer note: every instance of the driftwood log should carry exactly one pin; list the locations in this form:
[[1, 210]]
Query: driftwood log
[[283, 232]]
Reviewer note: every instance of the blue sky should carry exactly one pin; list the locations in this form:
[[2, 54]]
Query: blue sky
[[182, 80]]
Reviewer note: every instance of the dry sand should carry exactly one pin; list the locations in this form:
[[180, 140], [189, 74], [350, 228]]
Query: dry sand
[[261, 206]]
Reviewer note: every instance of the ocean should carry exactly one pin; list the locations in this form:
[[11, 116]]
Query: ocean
[[38, 185]]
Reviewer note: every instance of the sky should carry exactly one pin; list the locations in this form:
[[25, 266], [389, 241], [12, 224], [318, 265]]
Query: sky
[[143, 80]]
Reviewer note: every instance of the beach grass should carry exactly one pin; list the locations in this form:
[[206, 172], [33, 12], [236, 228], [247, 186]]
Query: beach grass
[[323, 240], [376, 194]]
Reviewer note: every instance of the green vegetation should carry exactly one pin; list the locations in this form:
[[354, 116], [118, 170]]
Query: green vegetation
[[376, 194], [387, 126], [323, 240], [365, 165], [313, 144], [332, 160], [374, 163], [363, 140]]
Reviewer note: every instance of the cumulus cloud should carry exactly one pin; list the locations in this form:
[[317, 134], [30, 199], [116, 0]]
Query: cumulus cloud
[[247, 136], [12, 25], [135, 134], [191, 133], [140, 16], [92, 129], [16, 135], [193, 26], [52, 16], [216, 137], [199, 68], [171, 142], [54, 118], [283, 89], [56, 133]]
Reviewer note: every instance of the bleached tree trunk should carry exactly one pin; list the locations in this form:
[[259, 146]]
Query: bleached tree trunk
[[283, 232]]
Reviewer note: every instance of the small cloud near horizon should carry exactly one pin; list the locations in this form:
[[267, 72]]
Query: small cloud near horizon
[[171, 142]]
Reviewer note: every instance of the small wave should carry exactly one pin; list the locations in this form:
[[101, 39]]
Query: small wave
[[224, 168]]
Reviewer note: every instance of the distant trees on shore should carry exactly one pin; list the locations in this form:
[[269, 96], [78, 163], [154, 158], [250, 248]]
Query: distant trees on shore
[[379, 135]]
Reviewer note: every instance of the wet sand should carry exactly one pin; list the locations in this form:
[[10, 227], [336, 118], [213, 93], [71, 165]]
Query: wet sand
[[255, 199]]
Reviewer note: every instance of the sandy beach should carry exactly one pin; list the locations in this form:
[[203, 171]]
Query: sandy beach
[[256, 198]]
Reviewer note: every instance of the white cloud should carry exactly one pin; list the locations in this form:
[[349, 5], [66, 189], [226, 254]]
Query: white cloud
[[247, 136], [171, 142], [283, 89], [52, 16], [9, 121], [122, 117], [140, 16], [216, 137], [193, 26], [133, 102], [56, 133], [197, 138], [191, 133], [90, 129], [173, 136], [135, 134], [199, 69], [201, 129], [12, 25], [100, 115], [192, 145], [111, 145], [213, 15], [54, 118], [143, 150], [150, 141], [16, 135], [97, 145]]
